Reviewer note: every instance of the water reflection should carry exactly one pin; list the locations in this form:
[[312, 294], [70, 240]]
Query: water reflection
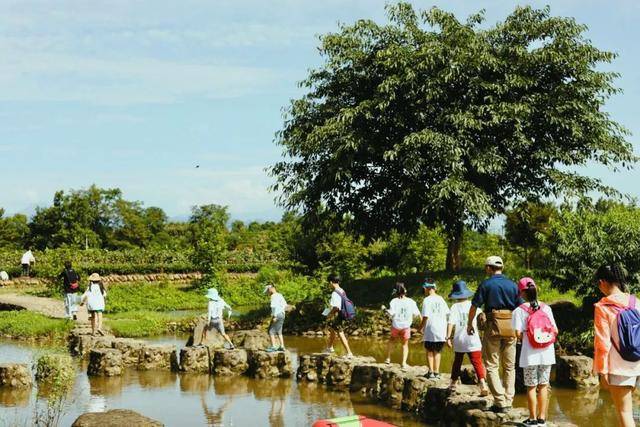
[[12, 397], [195, 383]]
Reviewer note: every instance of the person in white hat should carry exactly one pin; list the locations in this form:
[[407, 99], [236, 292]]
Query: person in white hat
[[215, 315], [498, 296], [94, 297]]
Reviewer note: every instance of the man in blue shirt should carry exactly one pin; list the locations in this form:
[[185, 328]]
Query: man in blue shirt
[[498, 296]]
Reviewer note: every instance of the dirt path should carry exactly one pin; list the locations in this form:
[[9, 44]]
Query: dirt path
[[47, 306]]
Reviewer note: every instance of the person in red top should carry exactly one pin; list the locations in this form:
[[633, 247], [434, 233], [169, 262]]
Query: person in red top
[[616, 374]]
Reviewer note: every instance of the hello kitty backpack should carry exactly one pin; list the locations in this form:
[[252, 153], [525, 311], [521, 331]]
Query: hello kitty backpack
[[540, 329]]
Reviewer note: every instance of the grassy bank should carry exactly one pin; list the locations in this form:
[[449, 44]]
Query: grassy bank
[[29, 325], [145, 296], [138, 324]]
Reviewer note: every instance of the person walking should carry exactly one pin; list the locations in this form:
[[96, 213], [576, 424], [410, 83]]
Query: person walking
[[615, 360], [535, 326], [215, 315], [498, 296], [70, 288], [402, 310], [26, 261], [278, 308], [94, 297], [461, 342], [340, 311], [434, 326]]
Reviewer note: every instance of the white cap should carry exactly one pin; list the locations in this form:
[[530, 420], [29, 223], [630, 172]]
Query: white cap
[[494, 261], [267, 287]]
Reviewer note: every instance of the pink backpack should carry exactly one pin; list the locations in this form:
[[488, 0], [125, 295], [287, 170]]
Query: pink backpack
[[540, 329]]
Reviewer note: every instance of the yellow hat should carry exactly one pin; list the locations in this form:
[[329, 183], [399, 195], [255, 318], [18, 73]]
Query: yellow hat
[[95, 277]]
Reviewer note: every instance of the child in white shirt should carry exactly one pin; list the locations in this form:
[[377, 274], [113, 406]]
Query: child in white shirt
[[402, 309], [215, 315], [94, 297], [461, 342], [434, 326], [536, 362], [278, 308]]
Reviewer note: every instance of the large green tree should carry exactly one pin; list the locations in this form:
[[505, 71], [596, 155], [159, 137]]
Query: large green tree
[[526, 228], [430, 120]]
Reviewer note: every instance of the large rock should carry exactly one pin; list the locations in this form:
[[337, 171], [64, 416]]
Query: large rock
[[130, 350], [263, 364], [15, 375], [252, 339], [576, 372], [392, 387], [115, 418], [366, 379], [414, 389], [341, 368], [230, 362], [214, 340], [81, 342], [105, 362], [158, 357], [195, 359]]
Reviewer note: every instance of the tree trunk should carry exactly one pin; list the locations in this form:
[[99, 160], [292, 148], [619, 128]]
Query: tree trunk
[[454, 245]]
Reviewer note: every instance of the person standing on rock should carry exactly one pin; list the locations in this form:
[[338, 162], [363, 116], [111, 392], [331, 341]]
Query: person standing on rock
[[215, 315], [402, 310], [434, 326], [461, 342], [26, 261], [536, 328], [278, 309], [615, 360], [340, 311], [498, 296], [71, 288], [94, 297]]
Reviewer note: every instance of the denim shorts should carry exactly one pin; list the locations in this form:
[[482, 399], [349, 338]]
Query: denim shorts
[[276, 326]]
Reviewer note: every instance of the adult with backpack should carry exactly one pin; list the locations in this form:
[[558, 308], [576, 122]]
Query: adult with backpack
[[617, 340], [341, 311], [498, 296], [535, 326], [71, 288]]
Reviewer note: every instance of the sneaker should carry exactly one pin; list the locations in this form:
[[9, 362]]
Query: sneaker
[[530, 422], [503, 410], [436, 376], [280, 348], [349, 356], [429, 375], [387, 361], [484, 392], [405, 366], [542, 422], [329, 350], [271, 349]]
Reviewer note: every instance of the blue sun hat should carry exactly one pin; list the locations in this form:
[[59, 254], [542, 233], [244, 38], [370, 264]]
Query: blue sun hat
[[460, 290], [212, 294]]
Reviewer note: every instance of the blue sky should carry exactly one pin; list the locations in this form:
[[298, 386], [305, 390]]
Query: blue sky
[[134, 94]]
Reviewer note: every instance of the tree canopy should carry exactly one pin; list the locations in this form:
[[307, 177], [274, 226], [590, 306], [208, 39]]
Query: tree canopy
[[430, 120]]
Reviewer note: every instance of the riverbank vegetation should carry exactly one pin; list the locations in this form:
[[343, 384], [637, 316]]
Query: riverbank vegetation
[[29, 325]]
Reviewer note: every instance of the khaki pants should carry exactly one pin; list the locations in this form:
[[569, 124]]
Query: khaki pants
[[496, 350]]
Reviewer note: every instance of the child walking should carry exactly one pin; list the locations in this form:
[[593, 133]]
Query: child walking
[[535, 326], [434, 326], [215, 315], [615, 311], [402, 309], [94, 297], [461, 342], [278, 308]]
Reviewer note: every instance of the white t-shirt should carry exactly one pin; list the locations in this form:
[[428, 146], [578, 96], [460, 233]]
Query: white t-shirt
[[27, 258], [530, 356], [435, 309], [336, 299], [462, 341], [216, 308], [94, 297], [403, 310], [278, 305]]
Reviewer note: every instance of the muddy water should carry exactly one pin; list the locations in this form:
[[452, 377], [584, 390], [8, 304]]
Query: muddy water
[[194, 400]]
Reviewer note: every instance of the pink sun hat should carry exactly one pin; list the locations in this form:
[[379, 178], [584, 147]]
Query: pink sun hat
[[524, 283]]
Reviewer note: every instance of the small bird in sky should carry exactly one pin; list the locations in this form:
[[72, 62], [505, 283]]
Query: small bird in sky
[[197, 166]]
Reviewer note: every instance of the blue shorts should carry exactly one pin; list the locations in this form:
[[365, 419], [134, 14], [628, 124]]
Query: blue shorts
[[276, 325]]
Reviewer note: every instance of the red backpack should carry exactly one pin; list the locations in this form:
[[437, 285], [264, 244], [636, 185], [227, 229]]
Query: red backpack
[[540, 329]]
